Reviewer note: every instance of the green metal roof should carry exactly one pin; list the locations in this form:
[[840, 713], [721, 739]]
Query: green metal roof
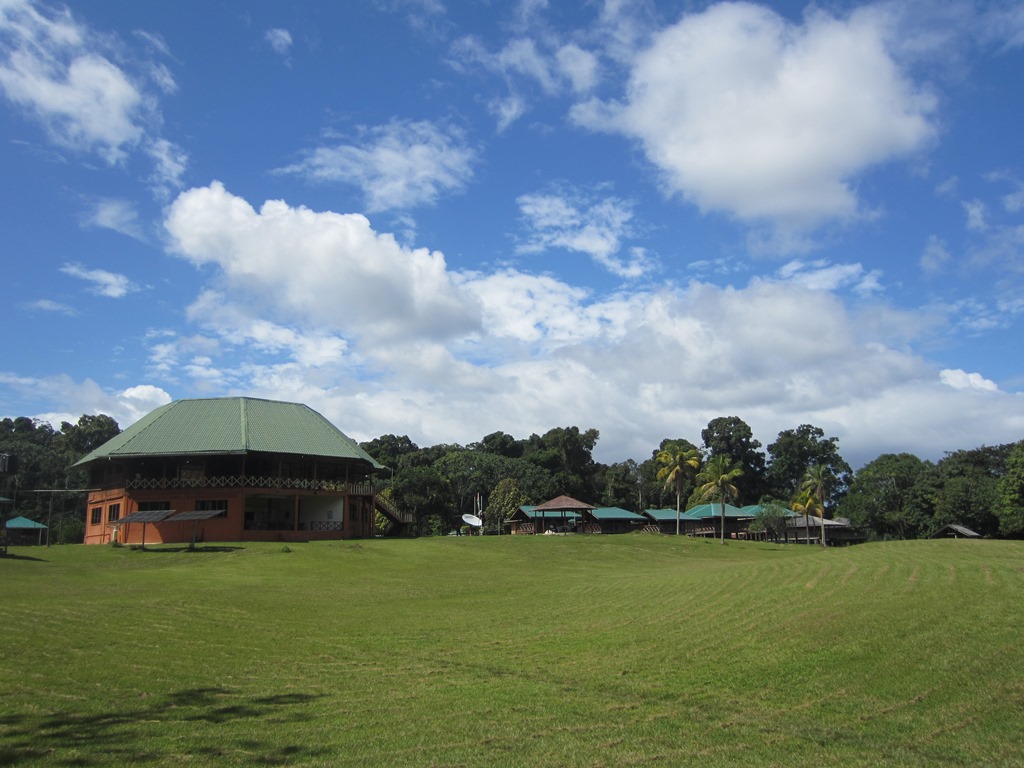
[[23, 523], [615, 513], [705, 511], [533, 513], [231, 425], [663, 514]]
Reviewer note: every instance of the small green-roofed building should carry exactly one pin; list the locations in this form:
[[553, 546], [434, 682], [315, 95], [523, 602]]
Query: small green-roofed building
[[275, 470], [665, 520], [567, 515], [530, 519], [19, 528], [616, 519]]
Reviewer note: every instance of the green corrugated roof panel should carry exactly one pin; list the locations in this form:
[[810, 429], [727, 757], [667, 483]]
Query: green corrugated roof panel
[[552, 514], [231, 425], [662, 514], [615, 513], [23, 524], [704, 511]]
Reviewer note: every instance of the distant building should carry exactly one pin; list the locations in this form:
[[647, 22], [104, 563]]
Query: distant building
[[231, 469], [954, 531], [565, 514]]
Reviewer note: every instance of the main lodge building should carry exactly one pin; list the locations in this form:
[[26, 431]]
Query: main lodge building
[[231, 469]]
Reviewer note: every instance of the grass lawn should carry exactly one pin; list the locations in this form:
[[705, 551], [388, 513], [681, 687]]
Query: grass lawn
[[514, 651]]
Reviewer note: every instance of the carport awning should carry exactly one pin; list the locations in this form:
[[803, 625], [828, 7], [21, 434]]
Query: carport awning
[[148, 516], [167, 516], [197, 514]]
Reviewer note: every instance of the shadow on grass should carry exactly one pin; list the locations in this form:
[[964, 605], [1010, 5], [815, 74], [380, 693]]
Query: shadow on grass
[[169, 729], [15, 556]]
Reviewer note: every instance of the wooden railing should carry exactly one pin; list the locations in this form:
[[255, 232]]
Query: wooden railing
[[250, 481], [388, 508], [326, 525]]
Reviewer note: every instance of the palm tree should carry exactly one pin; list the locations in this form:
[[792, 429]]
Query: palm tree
[[808, 503], [717, 482], [678, 466], [815, 483]]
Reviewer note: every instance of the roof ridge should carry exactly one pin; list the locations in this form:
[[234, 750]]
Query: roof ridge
[[244, 416]]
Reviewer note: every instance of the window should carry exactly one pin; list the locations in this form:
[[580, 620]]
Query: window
[[211, 504], [113, 513], [96, 516], [152, 506], [269, 513]]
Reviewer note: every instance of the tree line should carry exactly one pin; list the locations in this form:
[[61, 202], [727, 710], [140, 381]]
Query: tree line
[[894, 496], [47, 487]]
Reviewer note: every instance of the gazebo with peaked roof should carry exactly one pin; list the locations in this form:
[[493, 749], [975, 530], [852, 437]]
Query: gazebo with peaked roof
[[558, 508], [270, 470], [559, 514]]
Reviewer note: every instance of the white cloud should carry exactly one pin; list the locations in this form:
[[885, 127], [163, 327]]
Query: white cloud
[[170, 163], [579, 66], [104, 283], [520, 59], [586, 223], [821, 275], [399, 165], [279, 39], [331, 270], [117, 215], [935, 256], [85, 397], [47, 305], [958, 379], [163, 78], [975, 210], [236, 325], [82, 99], [525, 65], [319, 308], [66, 78], [746, 113]]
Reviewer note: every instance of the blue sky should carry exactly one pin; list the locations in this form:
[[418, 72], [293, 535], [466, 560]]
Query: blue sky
[[447, 219]]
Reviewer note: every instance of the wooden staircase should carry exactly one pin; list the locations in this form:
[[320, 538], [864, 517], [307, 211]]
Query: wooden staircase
[[399, 522]]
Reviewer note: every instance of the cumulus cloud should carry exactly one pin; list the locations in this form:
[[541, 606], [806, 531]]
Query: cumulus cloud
[[320, 308], [103, 283], [747, 113], [326, 268], [237, 325], [578, 221], [958, 379], [399, 165], [126, 406]]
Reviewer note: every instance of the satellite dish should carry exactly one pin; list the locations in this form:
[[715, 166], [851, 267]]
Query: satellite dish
[[473, 520]]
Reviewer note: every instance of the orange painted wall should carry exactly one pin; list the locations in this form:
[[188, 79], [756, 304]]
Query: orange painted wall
[[358, 519]]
